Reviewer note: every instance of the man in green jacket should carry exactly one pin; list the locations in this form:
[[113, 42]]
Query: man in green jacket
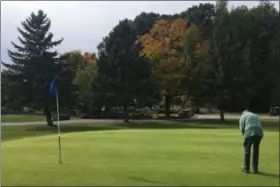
[[251, 128]]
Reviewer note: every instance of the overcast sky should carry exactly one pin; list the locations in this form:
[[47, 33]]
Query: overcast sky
[[83, 24]]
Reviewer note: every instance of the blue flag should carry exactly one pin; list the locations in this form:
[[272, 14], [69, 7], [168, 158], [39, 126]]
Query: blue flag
[[53, 88]]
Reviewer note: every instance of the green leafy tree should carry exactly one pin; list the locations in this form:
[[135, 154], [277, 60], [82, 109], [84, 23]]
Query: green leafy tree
[[202, 16], [264, 55], [238, 74], [71, 62], [275, 57], [34, 62], [144, 22], [124, 75], [220, 55], [197, 54], [9, 97], [84, 79], [241, 51]]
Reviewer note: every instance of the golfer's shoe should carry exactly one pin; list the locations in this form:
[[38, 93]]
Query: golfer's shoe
[[244, 170], [256, 170]]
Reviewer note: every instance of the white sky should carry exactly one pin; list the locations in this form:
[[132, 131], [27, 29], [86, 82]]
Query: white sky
[[83, 24]]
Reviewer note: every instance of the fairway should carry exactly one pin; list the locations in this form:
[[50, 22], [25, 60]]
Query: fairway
[[22, 118], [138, 157]]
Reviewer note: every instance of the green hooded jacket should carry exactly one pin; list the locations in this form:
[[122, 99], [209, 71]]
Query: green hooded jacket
[[250, 125]]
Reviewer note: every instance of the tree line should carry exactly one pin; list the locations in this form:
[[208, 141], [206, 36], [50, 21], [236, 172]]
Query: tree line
[[206, 55]]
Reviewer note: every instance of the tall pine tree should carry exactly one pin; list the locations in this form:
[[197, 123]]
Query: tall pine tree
[[34, 62]]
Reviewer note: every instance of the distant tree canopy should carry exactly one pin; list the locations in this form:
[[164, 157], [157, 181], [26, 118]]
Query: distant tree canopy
[[125, 74], [205, 55]]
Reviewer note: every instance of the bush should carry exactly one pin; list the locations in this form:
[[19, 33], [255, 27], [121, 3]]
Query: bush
[[186, 113], [138, 115], [142, 113], [61, 117], [162, 111], [86, 116], [113, 114]]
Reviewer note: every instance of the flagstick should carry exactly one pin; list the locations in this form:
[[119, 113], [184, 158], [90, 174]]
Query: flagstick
[[58, 128]]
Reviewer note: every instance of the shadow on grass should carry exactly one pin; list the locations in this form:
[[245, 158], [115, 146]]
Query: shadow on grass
[[15, 132], [140, 179], [269, 175]]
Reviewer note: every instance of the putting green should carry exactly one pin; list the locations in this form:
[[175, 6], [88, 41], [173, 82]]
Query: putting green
[[138, 157]]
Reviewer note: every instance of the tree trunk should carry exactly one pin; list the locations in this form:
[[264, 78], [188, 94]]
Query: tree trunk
[[99, 111], [48, 115], [222, 115], [197, 109], [221, 108], [134, 108], [77, 113], [190, 106], [167, 106], [125, 110], [210, 110]]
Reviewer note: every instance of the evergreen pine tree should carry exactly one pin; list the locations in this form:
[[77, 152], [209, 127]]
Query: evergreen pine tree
[[34, 62]]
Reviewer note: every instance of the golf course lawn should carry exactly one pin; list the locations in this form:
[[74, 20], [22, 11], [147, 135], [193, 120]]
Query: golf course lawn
[[188, 154], [22, 118]]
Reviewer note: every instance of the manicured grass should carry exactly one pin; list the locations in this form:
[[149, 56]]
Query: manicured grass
[[16, 132], [165, 153], [22, 118]]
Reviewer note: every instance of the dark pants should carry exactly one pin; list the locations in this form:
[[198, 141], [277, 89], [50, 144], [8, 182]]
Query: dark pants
[[255, 141]]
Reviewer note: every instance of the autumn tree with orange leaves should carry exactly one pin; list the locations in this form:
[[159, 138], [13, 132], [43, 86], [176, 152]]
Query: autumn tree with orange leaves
[[73, 65], [165, 47], [85, 79]]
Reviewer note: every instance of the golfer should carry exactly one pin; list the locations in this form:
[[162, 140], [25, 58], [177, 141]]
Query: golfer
[[250, 126]]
